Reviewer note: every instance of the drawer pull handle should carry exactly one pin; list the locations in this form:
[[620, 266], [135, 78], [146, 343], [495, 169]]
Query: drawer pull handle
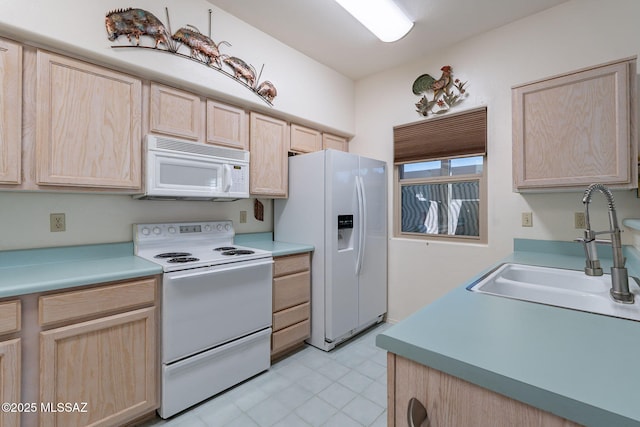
[[417, 414]]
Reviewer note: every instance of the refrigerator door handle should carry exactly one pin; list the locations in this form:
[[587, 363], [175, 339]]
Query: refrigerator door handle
[[362, 205]]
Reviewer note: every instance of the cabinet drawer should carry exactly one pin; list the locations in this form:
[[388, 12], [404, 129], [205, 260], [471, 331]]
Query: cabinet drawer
[[96, 301], [9, 317], [290, 316], [291, 290], [291, 335], [290, 264]]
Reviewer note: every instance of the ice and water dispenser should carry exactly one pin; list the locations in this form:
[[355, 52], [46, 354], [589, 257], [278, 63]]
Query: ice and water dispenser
[[345, 232]]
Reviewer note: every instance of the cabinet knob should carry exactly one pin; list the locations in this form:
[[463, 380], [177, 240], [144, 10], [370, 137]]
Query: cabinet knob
[[417, 414]]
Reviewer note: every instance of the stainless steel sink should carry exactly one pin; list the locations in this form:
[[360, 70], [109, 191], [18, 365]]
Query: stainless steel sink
[[558, 287]]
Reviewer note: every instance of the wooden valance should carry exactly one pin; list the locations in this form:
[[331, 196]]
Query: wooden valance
[[460, 134]]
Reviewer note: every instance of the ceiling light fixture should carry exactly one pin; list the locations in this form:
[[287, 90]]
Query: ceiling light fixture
[[382, 17]]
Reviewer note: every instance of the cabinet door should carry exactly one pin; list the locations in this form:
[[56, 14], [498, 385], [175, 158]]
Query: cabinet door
[[335, 142], [450, 401], [226, 125], [269, 167], [305, 140], [88, 125], [576, 129], [10, 380], [10, 111], [175, 112], [110, 363]]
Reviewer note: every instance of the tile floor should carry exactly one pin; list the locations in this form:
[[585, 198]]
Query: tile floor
[[344, 387]]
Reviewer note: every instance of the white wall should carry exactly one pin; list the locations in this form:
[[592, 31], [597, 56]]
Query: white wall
[[574, 35], [307, 90], [101, 218], [308, 93]]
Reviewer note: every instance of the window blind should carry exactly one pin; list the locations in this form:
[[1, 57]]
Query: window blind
[[460, 134]]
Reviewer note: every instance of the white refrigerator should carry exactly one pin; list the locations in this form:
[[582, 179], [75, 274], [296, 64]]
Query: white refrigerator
[[338, 203]]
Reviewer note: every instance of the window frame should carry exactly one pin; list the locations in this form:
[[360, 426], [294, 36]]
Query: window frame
[[481, 178]]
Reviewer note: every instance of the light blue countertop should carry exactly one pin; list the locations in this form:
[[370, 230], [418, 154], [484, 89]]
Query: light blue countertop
[[265, 242], [581, 366], [46, 269]]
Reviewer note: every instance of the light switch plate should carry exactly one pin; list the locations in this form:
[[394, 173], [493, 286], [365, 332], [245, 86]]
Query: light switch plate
[[527, 219]]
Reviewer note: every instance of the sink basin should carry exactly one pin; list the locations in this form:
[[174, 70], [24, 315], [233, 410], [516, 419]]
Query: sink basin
[[558, 287]]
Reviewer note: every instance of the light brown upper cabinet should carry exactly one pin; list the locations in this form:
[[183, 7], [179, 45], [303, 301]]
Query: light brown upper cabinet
[[174, 112], [227, 125], [87, 125], [269, 166], [305, 140], [10, 111], [335, 142], [576, 129]]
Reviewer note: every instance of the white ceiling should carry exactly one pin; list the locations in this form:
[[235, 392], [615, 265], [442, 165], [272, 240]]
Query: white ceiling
[[324, 31]]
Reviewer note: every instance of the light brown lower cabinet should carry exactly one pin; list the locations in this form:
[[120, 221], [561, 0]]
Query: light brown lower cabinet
[[101, 363], [10, 372], [450, 401], [291, 303], [10, 380]]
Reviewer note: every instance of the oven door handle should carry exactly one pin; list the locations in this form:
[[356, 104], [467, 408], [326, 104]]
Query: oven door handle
[[217, 269]]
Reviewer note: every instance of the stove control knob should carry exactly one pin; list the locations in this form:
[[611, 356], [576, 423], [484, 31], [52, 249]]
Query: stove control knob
[[145, 231], [172, 230], [220, 227], [227, 227], [157, 230], [207, 228]]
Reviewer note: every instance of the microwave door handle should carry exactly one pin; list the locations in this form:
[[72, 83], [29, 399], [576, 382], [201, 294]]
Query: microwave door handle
[[227, 180]]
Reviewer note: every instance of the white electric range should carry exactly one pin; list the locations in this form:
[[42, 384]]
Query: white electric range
[[216, 308]]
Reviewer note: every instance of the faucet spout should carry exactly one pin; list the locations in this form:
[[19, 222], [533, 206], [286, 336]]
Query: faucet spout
[[619, 277]]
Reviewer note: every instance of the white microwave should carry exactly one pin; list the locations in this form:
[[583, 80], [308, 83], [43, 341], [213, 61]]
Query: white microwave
[[182, 170]]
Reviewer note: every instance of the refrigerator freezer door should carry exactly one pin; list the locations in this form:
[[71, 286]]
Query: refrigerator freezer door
[[341, 286], [372, 281]]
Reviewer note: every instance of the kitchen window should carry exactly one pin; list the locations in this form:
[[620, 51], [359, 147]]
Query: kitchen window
[[440, 196]]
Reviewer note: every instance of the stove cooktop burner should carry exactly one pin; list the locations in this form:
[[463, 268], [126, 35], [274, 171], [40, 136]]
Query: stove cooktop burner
[[238, 252], [225, 248], [183, 259], [172, 255]]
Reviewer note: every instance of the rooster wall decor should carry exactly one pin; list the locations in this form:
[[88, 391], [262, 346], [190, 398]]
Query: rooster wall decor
[[444, 97]]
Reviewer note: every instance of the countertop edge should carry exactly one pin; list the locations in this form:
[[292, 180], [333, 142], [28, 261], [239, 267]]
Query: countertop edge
[[277, 248], [78, 281], [545, 400], [52, 269]]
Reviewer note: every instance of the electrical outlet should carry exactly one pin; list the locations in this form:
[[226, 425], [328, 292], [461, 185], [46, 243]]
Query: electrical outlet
[[579, 221], [243, 217], [57, 222], [527, 219]]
